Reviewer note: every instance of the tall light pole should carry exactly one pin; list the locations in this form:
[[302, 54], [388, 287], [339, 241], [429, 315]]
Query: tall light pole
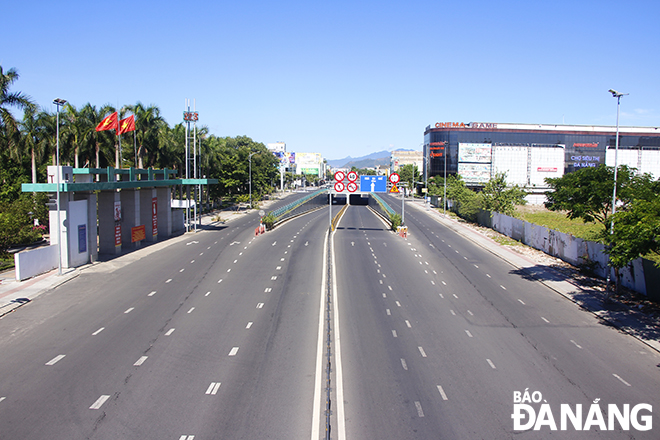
[[618, 96], [250, 160], [59, 103]]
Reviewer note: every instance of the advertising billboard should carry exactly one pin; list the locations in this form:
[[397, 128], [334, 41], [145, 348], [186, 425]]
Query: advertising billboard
[[474, 153], [474, 173], [546, 162], [513, 161]]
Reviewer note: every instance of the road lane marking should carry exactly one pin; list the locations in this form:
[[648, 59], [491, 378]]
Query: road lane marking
[[418, 405], [492, 365], [502, 287], [488, 275], [191, 309], [453, 313], [576, 344], [200, 255], [169, 332], [192, 261], [442, 393], [98, 331], [129, 310], [521, 301], [476, 266], [398, 304], [273, 278], [208, 293], [233, 351], [404, 364], [55, 360], [140, 361], [394, 333], [422, 352], [384, 295], [470, 313], [268, 289], [545, 319], [388, 312], [229, 270], [152, 293], [408, 324], [389, 287], [619, 377], [455, 295], [182, 270], [278, 268], [443, 283], [168, 281], [468, 333], [213, 388], [2, 398], [235, 261], [432, 282], [260, 305], [249, 324], [220, 280], [281, 259], [99, 402], [187, 437]]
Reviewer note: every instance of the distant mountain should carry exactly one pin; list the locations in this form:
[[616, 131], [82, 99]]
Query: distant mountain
[[368, 163], [341, 163]]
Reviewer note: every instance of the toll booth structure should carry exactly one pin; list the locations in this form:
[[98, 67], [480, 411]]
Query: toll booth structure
[[102, 210]]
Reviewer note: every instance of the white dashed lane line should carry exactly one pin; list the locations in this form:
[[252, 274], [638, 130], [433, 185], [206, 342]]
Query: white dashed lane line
[[169, 332], [619, 377], [140, 361], [55, 360], [418, 405], [191, 309], [576, 344], [152, 293], [260, 305], [99, 402], [249, 324], [213, 388], [468, 333], [545, 319], [233, 351], [404, 364], [98, 331], [442, 393], [422, 352], [129, 310], [408, 324], [394, 333], [168, 281], [492, 365]]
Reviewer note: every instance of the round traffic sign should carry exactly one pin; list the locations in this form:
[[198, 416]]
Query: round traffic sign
[[339, 176], [352, 186], [352, 176], [339, 186], [262, 212], [394, 178]]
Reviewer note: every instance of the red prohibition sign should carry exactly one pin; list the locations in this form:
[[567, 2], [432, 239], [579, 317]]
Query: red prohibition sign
[[394, 178], [339, 176], [339, 187], [352, 176], [352, 186]]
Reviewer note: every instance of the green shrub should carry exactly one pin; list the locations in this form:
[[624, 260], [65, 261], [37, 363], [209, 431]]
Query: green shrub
[[395, 219]]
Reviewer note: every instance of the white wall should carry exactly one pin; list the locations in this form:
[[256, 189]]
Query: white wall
[[35, 262]]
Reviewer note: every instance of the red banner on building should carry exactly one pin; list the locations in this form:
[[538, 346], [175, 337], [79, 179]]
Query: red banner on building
[[154, 216], [138, 233]]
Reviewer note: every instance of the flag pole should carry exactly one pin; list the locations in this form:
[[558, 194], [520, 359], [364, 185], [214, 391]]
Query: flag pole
[[135, 148]]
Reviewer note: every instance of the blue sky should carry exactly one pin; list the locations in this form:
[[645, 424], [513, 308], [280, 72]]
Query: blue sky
[[345, 77]]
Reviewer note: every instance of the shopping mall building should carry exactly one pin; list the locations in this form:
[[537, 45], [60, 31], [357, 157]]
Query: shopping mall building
[[528, 153]]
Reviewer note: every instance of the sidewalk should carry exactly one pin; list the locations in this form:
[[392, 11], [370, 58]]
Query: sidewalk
[[628, 319], [14, 294]]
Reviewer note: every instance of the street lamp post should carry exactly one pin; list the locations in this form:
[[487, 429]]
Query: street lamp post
[[59, 103], [250, 160], [618, 96]]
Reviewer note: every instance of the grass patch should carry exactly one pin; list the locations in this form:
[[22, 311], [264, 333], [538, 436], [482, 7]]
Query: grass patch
[[6, 263], [559, 222], [507, 241]]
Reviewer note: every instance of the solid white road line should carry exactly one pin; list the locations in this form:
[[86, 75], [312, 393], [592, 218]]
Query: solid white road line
[[341, 417], [492, 365], [140, 361], [619, 377], [98, 331], [442, 393], [318, 375], [233, 351], [418, 405], [55, 360], [99, 402], [169, 332], [213, 388]]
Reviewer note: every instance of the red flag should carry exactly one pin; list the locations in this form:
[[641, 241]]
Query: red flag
[[108, 123], [126, 125]]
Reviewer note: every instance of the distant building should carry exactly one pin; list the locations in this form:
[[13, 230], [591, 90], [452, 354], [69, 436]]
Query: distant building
[[310, 163], [529, 153], [399, 158], [277, 147]]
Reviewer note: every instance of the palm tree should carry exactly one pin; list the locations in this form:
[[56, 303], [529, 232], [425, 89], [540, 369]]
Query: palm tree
[[9, 132], [148, 125], [35, 137]]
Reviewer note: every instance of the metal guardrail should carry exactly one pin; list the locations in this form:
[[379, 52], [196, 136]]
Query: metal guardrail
[[384, 207], [291, 208]]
